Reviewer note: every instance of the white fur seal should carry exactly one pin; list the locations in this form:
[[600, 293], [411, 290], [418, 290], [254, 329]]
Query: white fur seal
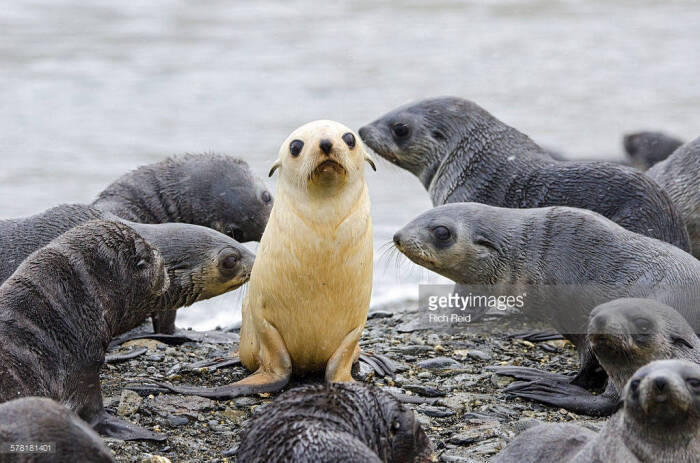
[[311, 282]]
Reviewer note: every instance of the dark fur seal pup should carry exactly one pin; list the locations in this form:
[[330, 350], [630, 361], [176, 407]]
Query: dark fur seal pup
[[462, 153], [624, 335], [566, 260], [41, 420], [60, 309], [647, 148], [341, 422], [201, 262], [679, 175], [211, 190], [660, 422]]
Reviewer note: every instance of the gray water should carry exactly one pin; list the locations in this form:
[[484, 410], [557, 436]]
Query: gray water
[[89, 90]]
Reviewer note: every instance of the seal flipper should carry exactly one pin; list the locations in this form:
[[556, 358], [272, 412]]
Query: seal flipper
[[568, 396], [383, 366], [538, 336], [530, 374], [111, 426]]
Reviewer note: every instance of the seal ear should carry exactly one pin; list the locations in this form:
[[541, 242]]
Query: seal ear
[[274, 167], [369, 159]]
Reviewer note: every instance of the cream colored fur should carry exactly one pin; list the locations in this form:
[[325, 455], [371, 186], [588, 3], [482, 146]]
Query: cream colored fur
[[312, 276]]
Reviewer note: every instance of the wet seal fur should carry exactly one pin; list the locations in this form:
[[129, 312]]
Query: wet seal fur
[[201, 262], [461, 153], [60, 309], [212, 190], [645, 149], [341, 422], [310, 287], [659, 422], [567, 260], [679, 176], [37, 420], [624, 335]]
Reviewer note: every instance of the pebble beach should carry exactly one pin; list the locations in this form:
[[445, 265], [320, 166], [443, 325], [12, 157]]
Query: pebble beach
[[458, 401]]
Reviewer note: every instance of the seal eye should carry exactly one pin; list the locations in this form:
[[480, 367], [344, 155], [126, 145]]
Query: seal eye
[[266, 196], [441, 233], [693, 382], [229, 262], [400, 130], [349, 140], [634, 385], [643, 325], [295, 147]]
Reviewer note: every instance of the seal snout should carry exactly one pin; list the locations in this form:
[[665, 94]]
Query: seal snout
[[398, 238]]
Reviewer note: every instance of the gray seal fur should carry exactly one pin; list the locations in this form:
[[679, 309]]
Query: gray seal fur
[[61, 308], [201, 262], [461, 153], [567, 260], [338, 422], [212, 190], [679, 175], [659, 422], [42, 420], [645, 149]]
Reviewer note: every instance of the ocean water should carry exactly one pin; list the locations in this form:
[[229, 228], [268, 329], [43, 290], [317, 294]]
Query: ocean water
[[90, 90]]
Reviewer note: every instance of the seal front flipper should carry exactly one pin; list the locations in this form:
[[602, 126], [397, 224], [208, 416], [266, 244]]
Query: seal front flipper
[[256, 383], [111, 426], [382, 365], [567, 396], [538, 336], [340, 364]]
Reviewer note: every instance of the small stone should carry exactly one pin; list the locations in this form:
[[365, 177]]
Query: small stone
[[472, 436], [129, 403], [425, 391], [439, 363], [148, 458], [501, 381], [376, 314], [176, 420], [151, 344], [436, 412], [479, 355], [151, 370]]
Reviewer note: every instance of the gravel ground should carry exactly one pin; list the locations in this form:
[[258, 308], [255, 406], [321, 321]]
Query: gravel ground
[[469, 419]]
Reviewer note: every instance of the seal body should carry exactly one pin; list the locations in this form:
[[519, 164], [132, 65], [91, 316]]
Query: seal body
[[461, 153], [201, 262], [37, 420], [310, 287], [62, 306], [567, 260], [679, 175], [645, 149], [211, 190], [334, 422], [660, 421]]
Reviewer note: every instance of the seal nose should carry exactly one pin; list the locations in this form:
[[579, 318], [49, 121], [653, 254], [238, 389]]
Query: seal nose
[[326, 146], [660, 383], [397, 238]]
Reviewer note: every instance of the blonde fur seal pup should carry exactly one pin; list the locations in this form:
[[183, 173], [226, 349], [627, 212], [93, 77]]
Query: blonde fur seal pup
[[311, 282]]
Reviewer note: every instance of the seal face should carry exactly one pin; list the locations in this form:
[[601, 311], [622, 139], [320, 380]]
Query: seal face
[[660, 421], [461, 153], [38, 419], [648, 148], [334, 422], [211, 190], [61, 308], [679, 176]]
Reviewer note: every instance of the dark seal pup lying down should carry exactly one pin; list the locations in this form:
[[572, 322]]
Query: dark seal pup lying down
[[659, 422], [201, 262], [461, 153], [60, 309], [567, 261], [41, 420], [340, 423], [624, 335]]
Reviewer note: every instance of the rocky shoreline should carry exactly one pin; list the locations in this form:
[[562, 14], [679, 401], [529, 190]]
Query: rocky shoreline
[[458, 401]]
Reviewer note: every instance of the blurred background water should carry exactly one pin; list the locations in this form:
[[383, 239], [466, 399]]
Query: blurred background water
[[90, 90]]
